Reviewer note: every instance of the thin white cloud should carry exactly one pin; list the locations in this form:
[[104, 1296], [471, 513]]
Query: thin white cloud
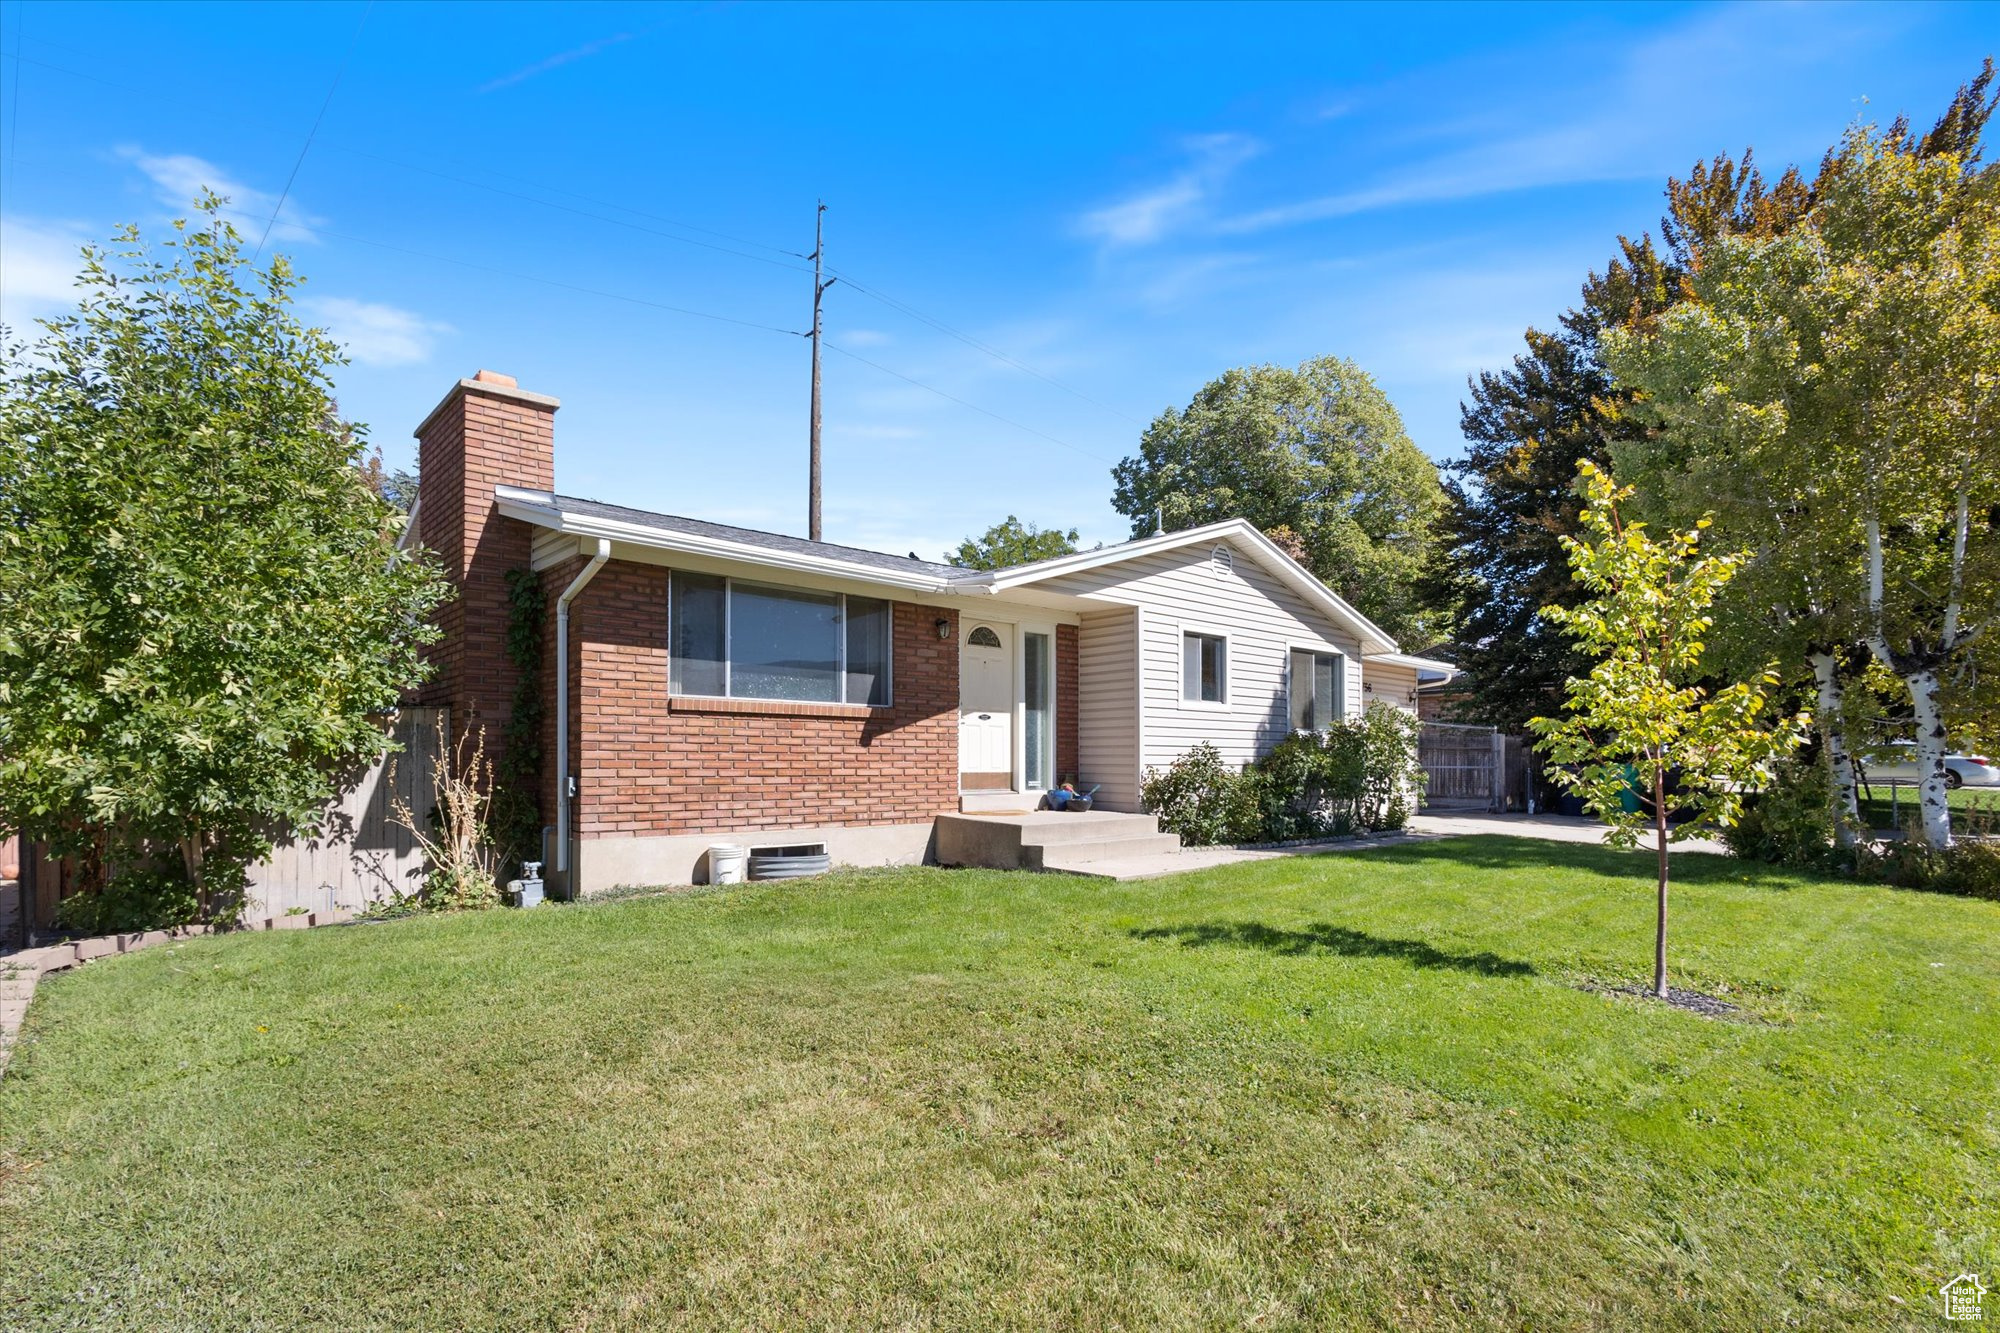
[[179, 179], [1540, 129], [866, 338], [1153, 213], [556, 61], [39, 262], [375, 334]]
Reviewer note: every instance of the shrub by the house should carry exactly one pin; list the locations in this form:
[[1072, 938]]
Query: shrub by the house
[[1357, 776], [1203, 799]]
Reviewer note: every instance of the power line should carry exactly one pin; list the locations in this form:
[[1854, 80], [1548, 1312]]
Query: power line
[[680, 310], [14, 117], [585, 213], [313, 133], [529, 277], [932, 388], [869, 291], [974, 343], [640, 301], [339, 147]]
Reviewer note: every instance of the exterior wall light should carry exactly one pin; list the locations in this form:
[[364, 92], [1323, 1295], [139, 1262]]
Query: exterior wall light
[[943, 628]]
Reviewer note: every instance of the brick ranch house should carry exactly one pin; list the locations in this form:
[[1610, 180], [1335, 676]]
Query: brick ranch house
[[718, 683]]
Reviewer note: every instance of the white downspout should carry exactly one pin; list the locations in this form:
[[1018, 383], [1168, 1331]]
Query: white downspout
[[577, 584]]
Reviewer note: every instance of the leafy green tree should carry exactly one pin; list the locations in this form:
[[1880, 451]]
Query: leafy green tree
[[1011, 543], [1317, 451], [1512, 501], [202, 612], [1837, 388], [1642, 722], [1528, 426], [1738, 380]]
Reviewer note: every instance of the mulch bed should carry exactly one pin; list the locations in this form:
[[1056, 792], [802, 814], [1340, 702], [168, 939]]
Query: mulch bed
[[1694, 1001]]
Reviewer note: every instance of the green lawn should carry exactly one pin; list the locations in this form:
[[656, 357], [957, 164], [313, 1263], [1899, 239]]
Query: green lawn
[[1980, 803], [1360, 1089]]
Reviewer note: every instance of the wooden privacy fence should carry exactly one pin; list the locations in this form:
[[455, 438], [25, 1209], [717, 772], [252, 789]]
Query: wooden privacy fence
[[362, 854], [1473, 768], [1458, 763]]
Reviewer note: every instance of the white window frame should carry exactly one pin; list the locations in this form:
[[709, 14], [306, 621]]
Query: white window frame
[[1022, 629], [729, 583], [1181, 633], [1315, 646]]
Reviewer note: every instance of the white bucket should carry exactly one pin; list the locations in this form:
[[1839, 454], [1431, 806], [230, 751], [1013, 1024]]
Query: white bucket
[[726, 862]]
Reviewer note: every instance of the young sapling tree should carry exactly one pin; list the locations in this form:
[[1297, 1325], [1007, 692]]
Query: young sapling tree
[[1643, 721]]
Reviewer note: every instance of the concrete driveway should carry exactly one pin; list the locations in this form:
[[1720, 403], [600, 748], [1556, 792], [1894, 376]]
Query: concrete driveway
[[1553, 828], [1423, 828]]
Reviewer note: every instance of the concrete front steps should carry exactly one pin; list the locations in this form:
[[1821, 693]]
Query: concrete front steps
[[1096, 843]]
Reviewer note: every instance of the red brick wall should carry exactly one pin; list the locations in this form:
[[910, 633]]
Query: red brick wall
[[554, 580], [649, 765], [1066, 746], [485, 433]]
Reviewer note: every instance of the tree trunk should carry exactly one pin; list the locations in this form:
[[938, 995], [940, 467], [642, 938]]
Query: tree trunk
[[1839, 760], [1660, 925], [1931, 791], [191, 859]]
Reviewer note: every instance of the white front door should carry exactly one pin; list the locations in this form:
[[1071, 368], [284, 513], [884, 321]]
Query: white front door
[[986, 707]]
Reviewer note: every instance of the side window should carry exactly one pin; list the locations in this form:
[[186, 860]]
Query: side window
[[1204, 668], [1317, 682]]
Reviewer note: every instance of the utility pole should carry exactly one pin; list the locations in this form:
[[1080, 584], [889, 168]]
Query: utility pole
[[820, 284]]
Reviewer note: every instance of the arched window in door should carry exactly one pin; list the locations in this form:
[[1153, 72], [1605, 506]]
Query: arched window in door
[[983, 637]]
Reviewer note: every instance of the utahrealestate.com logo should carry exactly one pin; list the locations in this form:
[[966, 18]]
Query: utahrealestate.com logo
[[1962, 1296]]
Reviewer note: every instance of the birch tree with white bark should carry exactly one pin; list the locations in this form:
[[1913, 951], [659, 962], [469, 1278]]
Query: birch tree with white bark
[[1842, 385]]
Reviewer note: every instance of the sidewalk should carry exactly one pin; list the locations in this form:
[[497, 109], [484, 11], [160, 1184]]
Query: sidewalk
[[1422, 828], [1551, 828]]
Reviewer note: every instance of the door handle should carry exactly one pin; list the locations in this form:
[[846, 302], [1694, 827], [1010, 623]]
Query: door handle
[[986, 717]]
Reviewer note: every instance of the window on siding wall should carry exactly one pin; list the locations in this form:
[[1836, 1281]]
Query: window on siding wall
[[1204, 668], [754, 641], [1317, 685]]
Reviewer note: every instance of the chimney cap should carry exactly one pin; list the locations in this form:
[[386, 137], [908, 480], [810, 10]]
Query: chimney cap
[[492, 384]]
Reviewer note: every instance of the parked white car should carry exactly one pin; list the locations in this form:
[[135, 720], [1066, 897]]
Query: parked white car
[[1897, 762]]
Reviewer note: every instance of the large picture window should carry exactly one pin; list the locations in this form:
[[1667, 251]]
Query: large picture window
[[1317, 683], [737, 640]]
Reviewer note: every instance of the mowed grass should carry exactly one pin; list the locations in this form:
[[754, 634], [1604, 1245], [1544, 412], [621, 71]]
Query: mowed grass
[[1973, 809], [1363, 1089]]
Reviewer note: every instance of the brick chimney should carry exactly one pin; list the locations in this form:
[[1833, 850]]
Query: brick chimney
[[487, 432]]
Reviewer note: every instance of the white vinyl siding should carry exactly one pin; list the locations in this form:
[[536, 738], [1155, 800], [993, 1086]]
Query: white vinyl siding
[[1183, 591], [1107, 711], [1393, 684], [551, 548]]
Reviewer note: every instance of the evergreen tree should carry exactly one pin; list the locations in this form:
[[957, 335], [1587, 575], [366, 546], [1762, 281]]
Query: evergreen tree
[[1528, 427]]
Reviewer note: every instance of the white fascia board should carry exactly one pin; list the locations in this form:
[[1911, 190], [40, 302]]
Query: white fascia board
[[1274, 558], [533, 507], [1418, 663]]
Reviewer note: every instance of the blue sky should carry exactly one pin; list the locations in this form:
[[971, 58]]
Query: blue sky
[[1092, 210]]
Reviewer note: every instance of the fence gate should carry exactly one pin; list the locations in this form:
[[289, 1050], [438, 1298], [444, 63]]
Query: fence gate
[[1462, 764]]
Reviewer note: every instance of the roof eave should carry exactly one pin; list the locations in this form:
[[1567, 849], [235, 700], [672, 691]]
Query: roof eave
[[1374, 639], [1412, 660], [528, 508]]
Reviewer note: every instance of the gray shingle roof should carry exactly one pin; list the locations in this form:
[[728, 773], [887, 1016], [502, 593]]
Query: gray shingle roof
[[771, 541]]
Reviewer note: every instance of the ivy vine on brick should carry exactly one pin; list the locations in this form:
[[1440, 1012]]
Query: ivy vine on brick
[[516, 816]]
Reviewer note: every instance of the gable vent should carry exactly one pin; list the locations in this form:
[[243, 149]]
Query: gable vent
[[1221, 561]]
